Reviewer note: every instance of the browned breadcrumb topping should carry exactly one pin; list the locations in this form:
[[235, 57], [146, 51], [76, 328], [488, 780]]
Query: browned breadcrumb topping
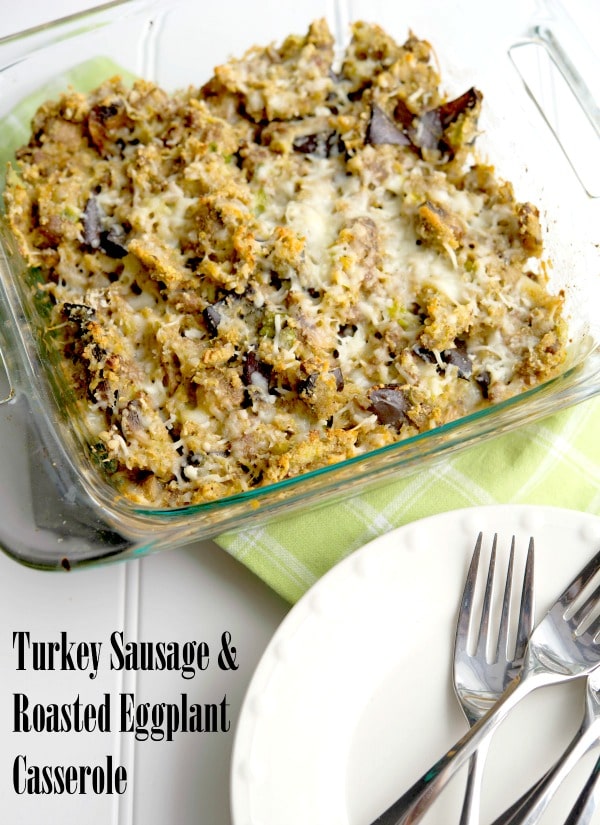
[[291, 265]]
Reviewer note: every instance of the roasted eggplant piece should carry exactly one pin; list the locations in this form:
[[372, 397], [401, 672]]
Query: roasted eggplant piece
[[382, 129], [390, 405], [445, 128], [320, 144], [110, 241]]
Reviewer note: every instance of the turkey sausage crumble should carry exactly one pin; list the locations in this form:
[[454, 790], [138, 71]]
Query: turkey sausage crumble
[[296, 263]]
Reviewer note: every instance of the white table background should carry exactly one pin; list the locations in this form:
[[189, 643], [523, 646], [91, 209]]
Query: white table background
[[192, 593]]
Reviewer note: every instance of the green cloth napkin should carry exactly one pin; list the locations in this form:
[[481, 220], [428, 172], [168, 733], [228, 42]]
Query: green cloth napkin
[[553, 462]]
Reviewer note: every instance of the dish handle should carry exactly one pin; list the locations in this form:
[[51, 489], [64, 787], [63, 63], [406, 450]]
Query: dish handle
[[7, 390], [561, 73]]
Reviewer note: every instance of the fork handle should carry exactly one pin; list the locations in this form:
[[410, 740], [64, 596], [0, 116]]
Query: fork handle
[[472, 799], [528, 809], [585, 804], [414, 803]]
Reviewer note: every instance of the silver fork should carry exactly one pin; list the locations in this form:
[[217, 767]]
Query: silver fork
[[587, 801], [528, 809], [562, 647], [478, 680]]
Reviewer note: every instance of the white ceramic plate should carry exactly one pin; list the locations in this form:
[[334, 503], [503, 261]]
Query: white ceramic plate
[[353, 701]]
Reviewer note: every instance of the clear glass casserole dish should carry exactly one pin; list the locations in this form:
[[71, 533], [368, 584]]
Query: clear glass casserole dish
[[59, 511]]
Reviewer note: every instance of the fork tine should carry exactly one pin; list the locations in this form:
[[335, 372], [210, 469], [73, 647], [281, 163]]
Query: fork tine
[[580, 619], [466, 602], [482, 636], [588, 604], [579, 582], [593, 630], [526, 612], [502, 644]]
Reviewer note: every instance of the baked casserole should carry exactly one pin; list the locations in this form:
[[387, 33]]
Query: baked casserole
[[298, 262]]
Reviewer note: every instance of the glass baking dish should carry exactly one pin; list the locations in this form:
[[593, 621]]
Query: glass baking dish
[[60, 513]]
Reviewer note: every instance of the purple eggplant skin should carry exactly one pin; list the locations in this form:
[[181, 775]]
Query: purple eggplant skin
[[320, 144], [381, 129], [307, 385], [251, 365], [109, 241], [425, 131], [390, 404], [458, 357], [432, 126], [483, 380], [212, 319], [339, 378], [92, 224]]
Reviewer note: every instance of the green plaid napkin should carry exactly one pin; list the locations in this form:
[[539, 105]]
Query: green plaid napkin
[[552, 462]]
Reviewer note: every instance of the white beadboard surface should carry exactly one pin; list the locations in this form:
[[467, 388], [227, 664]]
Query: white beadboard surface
[[194, 593]]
